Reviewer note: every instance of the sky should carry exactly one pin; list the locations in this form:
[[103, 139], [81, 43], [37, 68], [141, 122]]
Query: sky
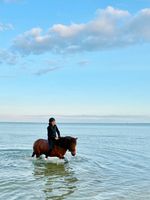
[[81, 60]]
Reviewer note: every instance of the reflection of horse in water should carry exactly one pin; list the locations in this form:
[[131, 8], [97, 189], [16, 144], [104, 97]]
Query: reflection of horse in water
[[61, 145], [56, 181]]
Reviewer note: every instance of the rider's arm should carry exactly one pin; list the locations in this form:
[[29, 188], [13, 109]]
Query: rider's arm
[[58, 132]]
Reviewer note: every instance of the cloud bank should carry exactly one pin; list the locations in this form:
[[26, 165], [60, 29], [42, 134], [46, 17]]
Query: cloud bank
[[77, 118], [111, 28]]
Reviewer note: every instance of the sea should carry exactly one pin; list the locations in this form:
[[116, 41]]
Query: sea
[[112, 163]]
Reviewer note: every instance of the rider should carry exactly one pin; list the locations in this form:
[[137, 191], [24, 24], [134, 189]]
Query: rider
[[51, 131]]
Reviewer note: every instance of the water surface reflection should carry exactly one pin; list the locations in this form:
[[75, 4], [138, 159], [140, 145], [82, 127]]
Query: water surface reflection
[[58, 181]]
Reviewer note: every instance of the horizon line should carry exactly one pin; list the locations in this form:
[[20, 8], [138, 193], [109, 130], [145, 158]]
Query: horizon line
[[77, 118], [36, 122]]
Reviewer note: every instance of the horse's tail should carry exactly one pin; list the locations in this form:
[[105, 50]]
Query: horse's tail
[[33, 154]]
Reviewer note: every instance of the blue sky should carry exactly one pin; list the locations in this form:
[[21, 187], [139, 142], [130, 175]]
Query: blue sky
[[86, 60]]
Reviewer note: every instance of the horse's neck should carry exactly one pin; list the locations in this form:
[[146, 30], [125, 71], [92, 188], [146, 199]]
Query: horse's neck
[[62, 142]]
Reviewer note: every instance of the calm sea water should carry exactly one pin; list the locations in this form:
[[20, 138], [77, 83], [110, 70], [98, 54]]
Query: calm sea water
[[112, 163]]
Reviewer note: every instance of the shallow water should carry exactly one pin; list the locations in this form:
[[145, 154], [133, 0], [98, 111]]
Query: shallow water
[[112, 163]]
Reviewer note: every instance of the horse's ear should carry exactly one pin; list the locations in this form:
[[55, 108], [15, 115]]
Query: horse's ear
[[76, 138]]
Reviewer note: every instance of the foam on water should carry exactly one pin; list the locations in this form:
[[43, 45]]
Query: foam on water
[[49, 160]]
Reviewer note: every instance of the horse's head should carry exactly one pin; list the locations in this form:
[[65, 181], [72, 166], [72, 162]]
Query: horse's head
[[72, 142]]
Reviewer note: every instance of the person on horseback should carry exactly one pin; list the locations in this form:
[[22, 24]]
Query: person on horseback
[[52, 132]]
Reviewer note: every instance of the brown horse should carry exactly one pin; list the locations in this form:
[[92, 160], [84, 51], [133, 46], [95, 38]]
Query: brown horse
[[61, 145]]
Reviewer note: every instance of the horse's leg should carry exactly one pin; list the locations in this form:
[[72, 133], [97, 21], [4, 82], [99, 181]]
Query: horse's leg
[[46, 155], [38, 154], [66, 160], [60, 153]]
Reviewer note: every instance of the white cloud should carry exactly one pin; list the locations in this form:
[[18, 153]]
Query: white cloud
[[7, 57], [46, 70], [139, 26], [111, 28], [110, 11], [5, 27], [83, 62], [67, 31], [10, 1]]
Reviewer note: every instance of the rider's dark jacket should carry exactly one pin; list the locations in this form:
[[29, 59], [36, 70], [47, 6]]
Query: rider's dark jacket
[[52, 131]]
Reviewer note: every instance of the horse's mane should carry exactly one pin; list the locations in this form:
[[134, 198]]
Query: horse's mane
[[65, 142]]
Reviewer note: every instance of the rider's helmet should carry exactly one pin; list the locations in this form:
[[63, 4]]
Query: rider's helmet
[[51, 119]]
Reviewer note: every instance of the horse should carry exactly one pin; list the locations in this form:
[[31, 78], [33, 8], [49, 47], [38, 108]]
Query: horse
[[61, 145]]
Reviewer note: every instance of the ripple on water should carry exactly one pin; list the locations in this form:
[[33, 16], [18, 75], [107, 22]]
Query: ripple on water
[[112, 163], [34, 179]]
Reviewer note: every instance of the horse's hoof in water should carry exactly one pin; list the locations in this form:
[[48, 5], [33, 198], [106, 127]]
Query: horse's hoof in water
[[66, 160]]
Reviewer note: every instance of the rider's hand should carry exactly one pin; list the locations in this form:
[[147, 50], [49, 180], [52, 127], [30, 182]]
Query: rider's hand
[[56, 138]]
